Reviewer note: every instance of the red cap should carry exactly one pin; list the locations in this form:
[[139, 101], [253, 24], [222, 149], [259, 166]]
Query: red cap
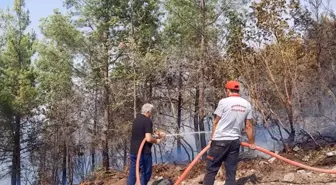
[[234, 85]]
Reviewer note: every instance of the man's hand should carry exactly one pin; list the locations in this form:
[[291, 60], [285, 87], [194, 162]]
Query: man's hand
[[253, 146], [151, 139], [210, 143], [160, 134]]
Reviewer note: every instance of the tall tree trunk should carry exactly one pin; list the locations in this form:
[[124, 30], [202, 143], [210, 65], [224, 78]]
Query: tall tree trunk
[[64, 164], [289, 110], [42, 176], [93, 149], [134, 92], [201, 80], [196, 120], [55, 176], [179, 113], [18, 149], [70, 168], [291, 122], [106, 160], [133, 62], [13, 178], [291, 138], [92, 157], [125, 154], [16, 160], [55, 157]]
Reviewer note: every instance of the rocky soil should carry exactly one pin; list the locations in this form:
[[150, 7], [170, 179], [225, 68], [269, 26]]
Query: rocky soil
[[250, 172]]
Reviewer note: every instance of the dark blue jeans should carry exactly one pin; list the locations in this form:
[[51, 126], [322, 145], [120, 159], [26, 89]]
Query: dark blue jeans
[[145, 169]]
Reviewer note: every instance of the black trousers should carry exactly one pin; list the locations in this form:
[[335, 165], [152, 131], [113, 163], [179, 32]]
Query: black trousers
[[222, 151]]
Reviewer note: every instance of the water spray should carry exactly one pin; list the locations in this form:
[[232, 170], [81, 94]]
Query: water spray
[[189, 133]]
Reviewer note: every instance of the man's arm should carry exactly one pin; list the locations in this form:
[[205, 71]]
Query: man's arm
[[214, 126], [151, 139], [249, 132], [219, 110], [249, 128], [148, 133]]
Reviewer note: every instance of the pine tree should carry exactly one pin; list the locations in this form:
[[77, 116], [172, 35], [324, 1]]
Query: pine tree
[[105, 21], [18, 92], [56, 73]]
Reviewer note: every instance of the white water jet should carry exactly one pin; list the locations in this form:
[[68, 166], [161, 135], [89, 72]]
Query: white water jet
[[188, 133]]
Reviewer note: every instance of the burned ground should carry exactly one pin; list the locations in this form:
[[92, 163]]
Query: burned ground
[[253, 171]]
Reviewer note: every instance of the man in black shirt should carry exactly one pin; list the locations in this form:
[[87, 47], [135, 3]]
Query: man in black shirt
[[142, 128]]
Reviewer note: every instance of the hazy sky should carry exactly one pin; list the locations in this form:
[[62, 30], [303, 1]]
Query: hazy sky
[[42, 8], [38, 9]]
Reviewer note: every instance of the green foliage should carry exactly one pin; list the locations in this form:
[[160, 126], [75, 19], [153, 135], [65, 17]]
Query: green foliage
[[183, 25], [145, 21], [56, 54], [55, 72], [60, 29], [18, 94], [17, 72]]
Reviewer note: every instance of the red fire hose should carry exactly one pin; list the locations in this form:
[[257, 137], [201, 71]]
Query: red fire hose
[[137, 166], [184, 174]]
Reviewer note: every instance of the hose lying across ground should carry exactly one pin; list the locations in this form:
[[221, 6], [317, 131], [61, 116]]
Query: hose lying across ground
[[184, 174]]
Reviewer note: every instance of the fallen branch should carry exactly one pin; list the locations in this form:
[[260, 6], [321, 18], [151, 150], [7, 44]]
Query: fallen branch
[[307, 133]]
